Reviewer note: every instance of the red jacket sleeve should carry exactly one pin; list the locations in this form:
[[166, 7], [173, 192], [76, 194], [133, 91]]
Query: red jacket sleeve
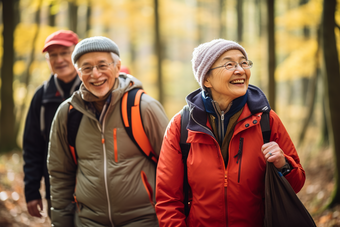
[[169, 180], [279, 134]]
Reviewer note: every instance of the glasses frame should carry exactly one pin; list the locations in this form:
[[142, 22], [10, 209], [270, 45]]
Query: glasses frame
[[95, 66], [233, 69], [63, 54]]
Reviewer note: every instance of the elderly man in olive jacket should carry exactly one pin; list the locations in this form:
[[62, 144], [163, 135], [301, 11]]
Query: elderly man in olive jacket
[[113, 182]]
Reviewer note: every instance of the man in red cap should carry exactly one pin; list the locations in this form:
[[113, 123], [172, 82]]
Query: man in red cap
[[45, 102]]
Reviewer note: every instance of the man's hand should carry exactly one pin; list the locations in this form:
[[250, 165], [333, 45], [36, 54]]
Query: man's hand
[[34, 208]]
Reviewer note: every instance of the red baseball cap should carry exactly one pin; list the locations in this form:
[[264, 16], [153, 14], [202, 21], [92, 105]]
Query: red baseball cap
[[61, 37], [124, 69]]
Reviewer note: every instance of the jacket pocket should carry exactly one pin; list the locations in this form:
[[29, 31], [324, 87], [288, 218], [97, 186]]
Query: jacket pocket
[[115, 144], [148, 187], [239, 159]]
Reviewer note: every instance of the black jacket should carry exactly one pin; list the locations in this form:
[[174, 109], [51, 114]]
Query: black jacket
[[44, 104]]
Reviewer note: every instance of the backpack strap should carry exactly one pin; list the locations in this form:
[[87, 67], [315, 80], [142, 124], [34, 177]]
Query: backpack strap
[[265, 127], [133, 124], [73, 121], [42, 112], [185, 148]]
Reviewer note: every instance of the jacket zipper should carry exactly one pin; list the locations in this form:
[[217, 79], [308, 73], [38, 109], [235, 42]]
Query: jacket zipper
[[115, 144], [220, 124], [219, 156], [222, 127], [105, 169], [239, 158]]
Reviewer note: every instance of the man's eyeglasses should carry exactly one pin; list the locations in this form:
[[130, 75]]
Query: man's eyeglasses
[[54, 56], [88, 69], [231, 65]]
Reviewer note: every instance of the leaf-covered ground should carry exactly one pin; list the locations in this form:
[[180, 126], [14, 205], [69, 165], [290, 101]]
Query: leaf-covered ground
[[315, 194]]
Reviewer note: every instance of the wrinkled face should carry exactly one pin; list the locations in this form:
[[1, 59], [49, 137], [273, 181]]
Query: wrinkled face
[[59, 58], [98, 82], [225, 84]]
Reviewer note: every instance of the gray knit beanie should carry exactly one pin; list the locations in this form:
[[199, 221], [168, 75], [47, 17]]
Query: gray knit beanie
[[205, 55], [94, 44]]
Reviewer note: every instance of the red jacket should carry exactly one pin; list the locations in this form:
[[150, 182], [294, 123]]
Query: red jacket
[[242, 182]]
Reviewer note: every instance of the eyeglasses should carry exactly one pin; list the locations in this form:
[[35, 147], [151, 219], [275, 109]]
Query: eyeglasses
[[86, 70], [231, 65], [54, 56]]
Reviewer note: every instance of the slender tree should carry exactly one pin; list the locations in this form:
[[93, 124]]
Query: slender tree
[[259, 22], [51, 15], [88, 17], [239, 20], [158, 50], [7, 117], [30, 61], [222, 15], [332, 83], [271, 52], [73, 16], [311, 91]]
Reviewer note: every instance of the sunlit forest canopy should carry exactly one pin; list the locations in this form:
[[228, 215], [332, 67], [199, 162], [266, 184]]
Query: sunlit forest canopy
[[184, 24], [294, 45]]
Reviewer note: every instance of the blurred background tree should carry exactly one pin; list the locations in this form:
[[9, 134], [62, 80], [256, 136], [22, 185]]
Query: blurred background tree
[[332, 82], [288, 41]]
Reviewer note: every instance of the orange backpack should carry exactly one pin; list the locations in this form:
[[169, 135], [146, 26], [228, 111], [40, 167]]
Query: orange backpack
[[132, 120]]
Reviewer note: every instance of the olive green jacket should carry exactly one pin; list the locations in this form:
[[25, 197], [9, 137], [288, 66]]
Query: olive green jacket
[[113, 182]]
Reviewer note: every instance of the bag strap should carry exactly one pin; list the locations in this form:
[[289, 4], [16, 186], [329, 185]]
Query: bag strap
[[73, 121], [133, 124], [265, 127], [185, 148], [42, 112]]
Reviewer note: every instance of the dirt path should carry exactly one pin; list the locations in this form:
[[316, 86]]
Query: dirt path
[[314, 195]]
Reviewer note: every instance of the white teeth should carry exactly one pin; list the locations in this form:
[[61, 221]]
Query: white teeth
[[99, 83], [237, 81]]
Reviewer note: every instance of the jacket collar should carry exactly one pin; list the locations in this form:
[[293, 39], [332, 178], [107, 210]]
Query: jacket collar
[[256, 102], [53, 92]]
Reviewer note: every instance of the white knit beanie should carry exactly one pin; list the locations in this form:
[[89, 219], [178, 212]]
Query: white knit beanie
[[94, 44], [205, 55]]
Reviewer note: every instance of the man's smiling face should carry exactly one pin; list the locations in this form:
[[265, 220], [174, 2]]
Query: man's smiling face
[[59, 58], [98, 82]]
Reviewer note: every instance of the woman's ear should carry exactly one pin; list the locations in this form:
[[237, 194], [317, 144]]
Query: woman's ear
[[206, 82]]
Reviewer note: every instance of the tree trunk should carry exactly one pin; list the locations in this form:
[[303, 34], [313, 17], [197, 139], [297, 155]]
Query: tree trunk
[[332, 83], [311, 91], [7, 116], [31, 59], [88, 18], [239, 20], [51, 16], [222, 16], [271, 53], [324, 141], [73, 16], [258, 4], [306, 30], [158, 50]]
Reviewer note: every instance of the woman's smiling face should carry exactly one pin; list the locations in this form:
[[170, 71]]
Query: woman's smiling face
[[225, 84]]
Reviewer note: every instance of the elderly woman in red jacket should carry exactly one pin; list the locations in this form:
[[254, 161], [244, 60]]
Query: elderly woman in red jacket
[[227, 159]]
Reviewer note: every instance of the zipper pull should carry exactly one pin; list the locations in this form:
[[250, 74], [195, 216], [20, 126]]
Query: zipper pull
[[222, 115], [239, 153]]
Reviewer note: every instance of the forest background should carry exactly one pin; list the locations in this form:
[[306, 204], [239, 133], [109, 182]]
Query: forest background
[[293, 43]]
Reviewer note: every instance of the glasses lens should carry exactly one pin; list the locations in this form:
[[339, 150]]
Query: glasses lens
[[102, 67], [86, 69], [230, 65], [246, 64]]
